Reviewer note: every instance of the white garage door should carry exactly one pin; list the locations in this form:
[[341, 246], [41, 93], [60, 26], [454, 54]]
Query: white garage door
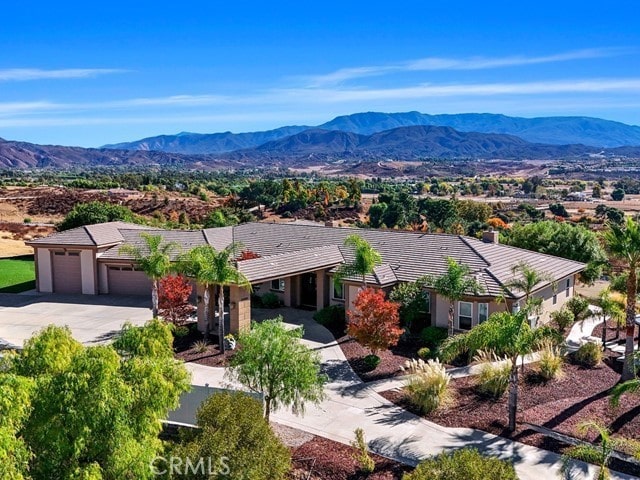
[[125, 280], [67, 276]]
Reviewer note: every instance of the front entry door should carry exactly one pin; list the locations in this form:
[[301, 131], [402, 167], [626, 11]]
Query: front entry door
[[308, 288]]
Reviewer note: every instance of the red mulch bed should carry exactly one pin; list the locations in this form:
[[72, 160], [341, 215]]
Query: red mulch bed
[[390, 360], [211, 357], [611, 332], [582, 394], [324, 459]]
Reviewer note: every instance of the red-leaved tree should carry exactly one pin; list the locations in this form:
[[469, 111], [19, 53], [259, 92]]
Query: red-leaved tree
[[374, 321], [247, 255], [173, 302]]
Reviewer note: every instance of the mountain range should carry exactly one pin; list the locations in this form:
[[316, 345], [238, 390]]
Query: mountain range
[[588, 131]]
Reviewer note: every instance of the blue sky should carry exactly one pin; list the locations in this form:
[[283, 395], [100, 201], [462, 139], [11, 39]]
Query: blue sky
[[77, 74]]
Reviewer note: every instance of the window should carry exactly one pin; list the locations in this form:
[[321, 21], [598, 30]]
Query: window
[[465, 315], [483, 312], [427, 297], [58, 253], [277, 284], [567, 287], [74, 254], [337, 290]]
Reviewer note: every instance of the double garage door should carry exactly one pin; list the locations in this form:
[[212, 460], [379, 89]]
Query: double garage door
[[125, 280]]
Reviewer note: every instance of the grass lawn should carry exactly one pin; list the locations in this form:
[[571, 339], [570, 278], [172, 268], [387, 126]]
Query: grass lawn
[[17, 274]]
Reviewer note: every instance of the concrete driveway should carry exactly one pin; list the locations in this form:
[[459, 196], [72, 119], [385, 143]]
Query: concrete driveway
[[93, 319]]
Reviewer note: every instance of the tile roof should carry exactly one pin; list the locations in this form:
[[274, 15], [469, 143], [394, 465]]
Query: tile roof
[[289, 248], [284, 264], [88, 235]]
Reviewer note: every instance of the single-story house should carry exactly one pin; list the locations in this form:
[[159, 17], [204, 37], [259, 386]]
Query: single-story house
[[297, 262]]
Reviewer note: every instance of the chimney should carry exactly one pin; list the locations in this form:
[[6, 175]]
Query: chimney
[[490, 236]]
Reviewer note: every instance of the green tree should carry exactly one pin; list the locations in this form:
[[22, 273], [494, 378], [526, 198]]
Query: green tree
[[463, 464], [376, 214], [95, 412], [507, 335], [623, 243], [562, 240], [526, 279], [95, 212], [412, 298], [617, 195], [211, 267], [274, 362], [366, 258], [15, 408], [233, 431], [454, 284], [154, 259]]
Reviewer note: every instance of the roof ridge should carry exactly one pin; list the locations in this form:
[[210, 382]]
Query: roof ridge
[[86, 229], [482, 257]]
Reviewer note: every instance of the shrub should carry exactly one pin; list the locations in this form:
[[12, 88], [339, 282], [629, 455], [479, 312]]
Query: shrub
[[331, 317], [200, 346], [412, 299], [371, 361], [232, 425], [563, 319], [551, 361], [464, 464], [428, 389], [432, 337], [181, 331], [424, 353], [256, 301], [493, 379], [589, 354], [95, 212], [270, 300], [579, 306], [367, 464], [27, 220]]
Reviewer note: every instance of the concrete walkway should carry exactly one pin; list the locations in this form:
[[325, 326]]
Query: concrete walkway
[[391, 430]]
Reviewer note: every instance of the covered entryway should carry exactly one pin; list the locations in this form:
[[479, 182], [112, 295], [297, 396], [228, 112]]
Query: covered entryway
[[126, 280], [308, 290], [67, 275]]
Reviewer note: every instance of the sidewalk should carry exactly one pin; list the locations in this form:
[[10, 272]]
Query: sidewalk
[[392, 431]]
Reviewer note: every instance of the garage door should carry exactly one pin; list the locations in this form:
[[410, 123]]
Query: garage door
[[128, 281], [67, 277]]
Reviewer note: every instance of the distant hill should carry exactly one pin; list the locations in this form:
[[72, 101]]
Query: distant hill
[[22, 155], [202, 143], [409, 143], [552, 130]]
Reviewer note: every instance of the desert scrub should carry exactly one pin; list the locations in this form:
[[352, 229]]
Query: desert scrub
[[589, 354], [493, 379], [428, 387], [551, 360]]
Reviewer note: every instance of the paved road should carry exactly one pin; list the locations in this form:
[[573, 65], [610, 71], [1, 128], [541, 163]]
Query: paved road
[[390, 430], [93, 319]]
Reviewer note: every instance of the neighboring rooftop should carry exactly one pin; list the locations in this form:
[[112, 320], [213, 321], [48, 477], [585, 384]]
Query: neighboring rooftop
[[292, 248]]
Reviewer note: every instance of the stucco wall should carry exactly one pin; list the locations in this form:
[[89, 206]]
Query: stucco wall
[[45, 271], [87, 270]]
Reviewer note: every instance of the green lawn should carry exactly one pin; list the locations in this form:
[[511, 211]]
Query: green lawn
[[17, 274]]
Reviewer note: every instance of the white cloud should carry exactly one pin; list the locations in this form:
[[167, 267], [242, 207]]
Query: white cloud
[[25, 74], [472, 63]]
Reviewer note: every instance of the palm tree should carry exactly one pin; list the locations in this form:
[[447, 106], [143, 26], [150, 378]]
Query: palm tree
[[623, 242], [630, 386], [366, 259], [454, 284], [507, 335], [609, 308], [597, 455], [210, 267], [527, 280], [154, 258]]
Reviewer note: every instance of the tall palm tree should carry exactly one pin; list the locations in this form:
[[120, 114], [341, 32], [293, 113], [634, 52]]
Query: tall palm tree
[[211, 267], [623, 243], [154, 259], [526, 279], [366, 259], [454, 284], [507, 335]]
